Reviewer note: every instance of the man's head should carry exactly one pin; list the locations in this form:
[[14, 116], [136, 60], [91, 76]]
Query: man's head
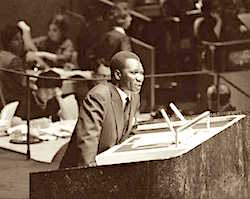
[[47, 84], [212, 6], [225, 95], [58, 28], [11, 37], [120, 15], [127, 71]]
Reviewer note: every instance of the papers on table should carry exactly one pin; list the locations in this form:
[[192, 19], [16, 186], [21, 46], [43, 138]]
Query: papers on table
[[44, 151], [157, 139], [7, 115], [8, 111], [57, 129]]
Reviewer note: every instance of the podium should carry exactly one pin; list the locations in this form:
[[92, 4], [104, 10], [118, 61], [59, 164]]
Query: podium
[[217, 168]]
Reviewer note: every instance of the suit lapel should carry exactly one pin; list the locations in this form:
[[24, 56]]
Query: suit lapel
[[117, 110]]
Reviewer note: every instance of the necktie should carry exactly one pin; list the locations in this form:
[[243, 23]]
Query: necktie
[[126, 115]]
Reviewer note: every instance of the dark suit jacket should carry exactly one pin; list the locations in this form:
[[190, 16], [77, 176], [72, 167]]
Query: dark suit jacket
[[100, 125], [111, 43]]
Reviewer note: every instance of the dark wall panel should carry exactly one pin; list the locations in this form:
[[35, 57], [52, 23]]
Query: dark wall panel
[[35, 12]]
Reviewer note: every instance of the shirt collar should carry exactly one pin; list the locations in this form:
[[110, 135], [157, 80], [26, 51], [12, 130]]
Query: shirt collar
[[123, 96], [120, 29]]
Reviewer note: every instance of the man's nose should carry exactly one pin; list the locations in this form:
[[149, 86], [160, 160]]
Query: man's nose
[[140, 77]]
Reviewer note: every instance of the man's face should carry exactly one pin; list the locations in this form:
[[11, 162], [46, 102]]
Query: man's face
[[132, 76], [16, 44], [216, 7], [54, 33]]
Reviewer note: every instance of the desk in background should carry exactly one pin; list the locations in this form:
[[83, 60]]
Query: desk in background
[[44, 151]]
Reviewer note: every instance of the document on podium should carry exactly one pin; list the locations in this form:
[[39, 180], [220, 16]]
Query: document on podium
[[161, 145]]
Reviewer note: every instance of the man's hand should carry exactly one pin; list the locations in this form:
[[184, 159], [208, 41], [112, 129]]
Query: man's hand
[[24, 27], [243, 29]]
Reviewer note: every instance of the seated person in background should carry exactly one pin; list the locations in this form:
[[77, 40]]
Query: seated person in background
[[102, 73], [108, 112], [114, 40], [225, 95], [219, 23], [45, 100], [13, 57], [81, 87], [56, 47]]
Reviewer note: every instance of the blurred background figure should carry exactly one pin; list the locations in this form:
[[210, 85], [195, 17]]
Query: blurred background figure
[[115, 39], [219, 22], [225, 96], [45, 98], [14, 57], [57, 49]]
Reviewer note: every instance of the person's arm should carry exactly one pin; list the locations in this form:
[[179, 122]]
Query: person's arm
[[28, 42], [62, 110], [33, 56], [89, 128], [48, 55], [30, 47], [41, 45], [64, 54]]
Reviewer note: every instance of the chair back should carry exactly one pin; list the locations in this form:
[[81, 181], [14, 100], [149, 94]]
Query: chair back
[[196, 25]]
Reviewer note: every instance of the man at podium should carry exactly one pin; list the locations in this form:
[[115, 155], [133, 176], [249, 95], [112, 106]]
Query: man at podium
[[108, 112]]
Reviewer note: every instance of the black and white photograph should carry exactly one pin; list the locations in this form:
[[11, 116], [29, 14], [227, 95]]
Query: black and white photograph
[[128, 99]]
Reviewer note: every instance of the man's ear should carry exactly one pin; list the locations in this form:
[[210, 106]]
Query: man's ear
[[117, 74]]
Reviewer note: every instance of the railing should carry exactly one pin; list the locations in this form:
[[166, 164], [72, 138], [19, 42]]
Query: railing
[[224, 48], [232, 55]]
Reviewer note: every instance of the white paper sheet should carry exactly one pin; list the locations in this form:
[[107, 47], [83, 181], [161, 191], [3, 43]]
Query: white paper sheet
[[8, 111]]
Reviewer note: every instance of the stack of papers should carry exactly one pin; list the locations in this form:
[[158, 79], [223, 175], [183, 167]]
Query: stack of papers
[[61, 129], [154, 140]]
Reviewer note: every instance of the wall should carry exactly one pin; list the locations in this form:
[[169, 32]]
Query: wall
[[35, 12]]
